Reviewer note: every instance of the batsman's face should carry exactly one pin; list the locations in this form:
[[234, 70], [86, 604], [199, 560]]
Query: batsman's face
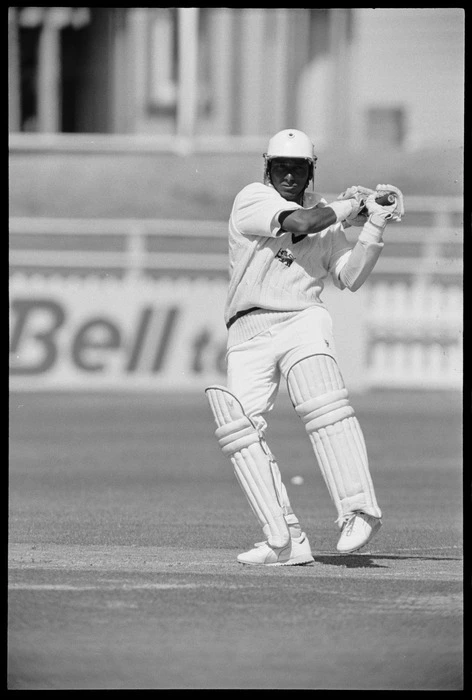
[[289, 176]]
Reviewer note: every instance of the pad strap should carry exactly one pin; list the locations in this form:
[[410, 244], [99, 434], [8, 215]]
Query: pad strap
[[236, 435], [325, 410]]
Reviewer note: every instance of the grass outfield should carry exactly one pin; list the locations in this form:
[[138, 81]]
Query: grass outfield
[[124, 526]]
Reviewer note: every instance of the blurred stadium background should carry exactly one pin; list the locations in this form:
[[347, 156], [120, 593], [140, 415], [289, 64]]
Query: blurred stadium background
[[131, 131]]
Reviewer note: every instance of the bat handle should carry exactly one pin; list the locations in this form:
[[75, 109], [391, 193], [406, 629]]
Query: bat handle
[[384, 201]]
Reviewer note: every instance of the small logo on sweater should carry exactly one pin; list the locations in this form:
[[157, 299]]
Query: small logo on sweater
[[285, 257]]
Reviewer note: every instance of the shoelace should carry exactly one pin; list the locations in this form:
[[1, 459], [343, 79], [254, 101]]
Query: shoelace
[[349, 524]]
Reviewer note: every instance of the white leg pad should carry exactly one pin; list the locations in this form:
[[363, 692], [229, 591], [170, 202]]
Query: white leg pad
[[253, 464], [335, 434]]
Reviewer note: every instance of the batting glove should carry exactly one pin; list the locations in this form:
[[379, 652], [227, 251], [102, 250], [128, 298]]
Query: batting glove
[[397, 209], [377, 214], [360, 194]]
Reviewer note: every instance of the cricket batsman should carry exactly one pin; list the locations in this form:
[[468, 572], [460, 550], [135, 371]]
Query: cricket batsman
[[284, 240]]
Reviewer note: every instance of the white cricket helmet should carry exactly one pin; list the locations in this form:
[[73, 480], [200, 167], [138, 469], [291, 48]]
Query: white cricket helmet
[[290, 143]]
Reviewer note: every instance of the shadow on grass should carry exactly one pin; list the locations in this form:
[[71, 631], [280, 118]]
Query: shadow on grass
[[366, 561]]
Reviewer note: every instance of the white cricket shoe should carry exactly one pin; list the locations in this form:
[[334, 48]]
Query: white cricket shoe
[[296, 553], [356, 531]]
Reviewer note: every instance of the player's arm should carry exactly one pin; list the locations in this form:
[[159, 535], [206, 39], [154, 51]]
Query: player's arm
[[319, 217], [362, 259]]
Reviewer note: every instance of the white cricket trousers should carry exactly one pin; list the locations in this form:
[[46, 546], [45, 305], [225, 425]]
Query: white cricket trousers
[[255, 367]]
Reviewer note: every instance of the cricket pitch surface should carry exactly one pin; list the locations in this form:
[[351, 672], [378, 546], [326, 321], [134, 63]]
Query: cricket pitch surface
[[124, 526]]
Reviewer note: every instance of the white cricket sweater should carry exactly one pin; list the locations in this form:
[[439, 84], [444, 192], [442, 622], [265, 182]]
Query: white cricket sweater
[[274, 272]]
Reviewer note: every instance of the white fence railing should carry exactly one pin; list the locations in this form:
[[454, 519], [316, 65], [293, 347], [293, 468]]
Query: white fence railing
[[136, 256], [412, 309], [415, 334]]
